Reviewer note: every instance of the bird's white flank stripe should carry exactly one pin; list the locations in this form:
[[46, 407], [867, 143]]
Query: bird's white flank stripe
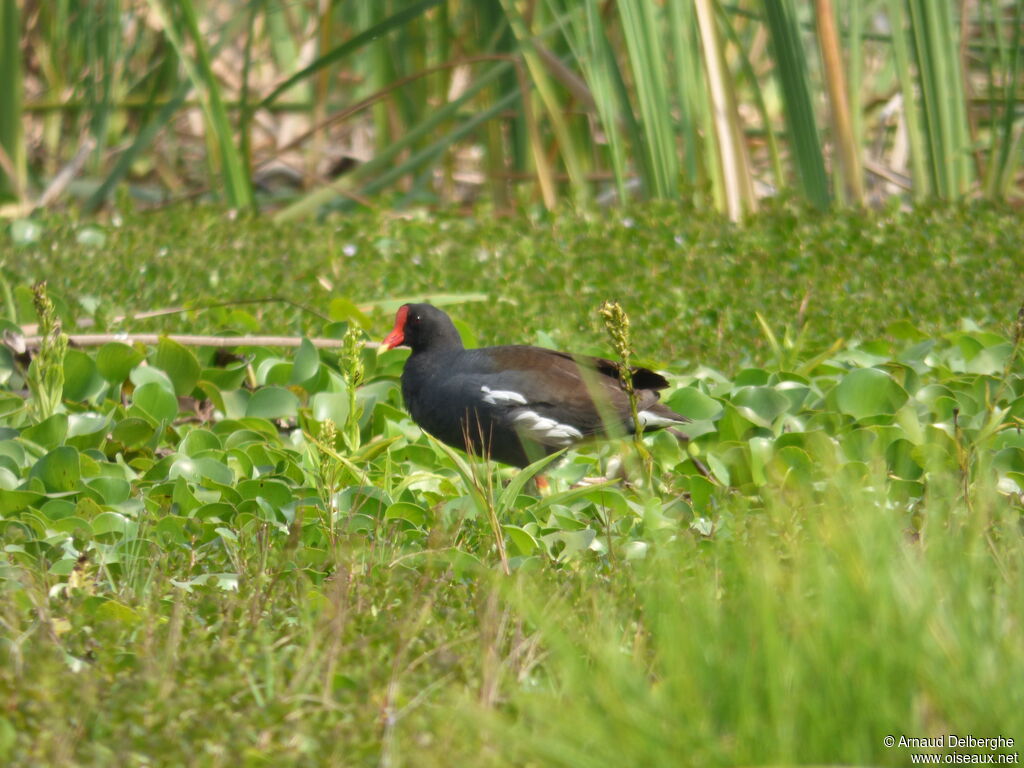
[[502, 396], [546, 431], [648, 419]]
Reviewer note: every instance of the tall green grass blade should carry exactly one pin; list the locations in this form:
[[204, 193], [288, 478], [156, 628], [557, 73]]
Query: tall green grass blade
[[103, 56], [791, 69], [284, 46], [152, 128], [942, 95], [235, 174], [757, 93], [689, 83], [581, 28], [641, 32], [922, 185], [12, 144], [570, 151], [395, 21], [1004, 155]]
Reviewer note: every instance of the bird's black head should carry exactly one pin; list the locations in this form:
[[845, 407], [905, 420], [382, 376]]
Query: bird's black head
[[422, 327]]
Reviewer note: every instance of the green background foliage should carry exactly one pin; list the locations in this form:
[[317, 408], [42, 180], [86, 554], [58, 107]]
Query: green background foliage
[[254, 554]]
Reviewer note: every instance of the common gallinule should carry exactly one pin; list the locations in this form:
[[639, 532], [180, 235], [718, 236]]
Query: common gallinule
[[514, 403]]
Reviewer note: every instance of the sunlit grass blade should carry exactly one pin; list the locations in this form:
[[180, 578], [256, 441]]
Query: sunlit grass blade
[[235, 174], [942, 96], [570, 151], [641, 31], [921, 187], [351, 45], [1005, 149], [791, 69], [583, 31], [12, 170]]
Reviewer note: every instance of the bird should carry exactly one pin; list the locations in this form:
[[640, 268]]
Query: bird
[[516, 404]]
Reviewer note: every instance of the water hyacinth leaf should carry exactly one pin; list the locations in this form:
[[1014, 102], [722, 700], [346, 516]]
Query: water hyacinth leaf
[[110, 490], [275, 492], [109, 525], [59, 470], [132, 432], [218, 511], [156, 402], [523, 543], [306, 363], [25, 231], [763, 402], [182, 497], [179, 363], [230, 377], [278, 374], [15, 501], [9, 481], [115, 361], [86, 424], [198, 441], [198, 470], [147, 374], [735, 425], [694, 404], [413, 514], [867, 392], [330, 405], [272, 403], [48, 433], [82, 380]]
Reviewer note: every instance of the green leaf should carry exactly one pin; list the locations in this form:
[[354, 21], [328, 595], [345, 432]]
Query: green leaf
[[82, 380], [179, 363], [306, 364], [60, 470], [197, 470], [132, 432], [272, 403], [111, 490], [230, 377], [867, 392], [15, 501], [156, 401], [764, 403], [694, 404], [110, 525], [411, 513], [523, 543], [197, 441], [522, 477], [330, 405], [116, 360], [48, 433]]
